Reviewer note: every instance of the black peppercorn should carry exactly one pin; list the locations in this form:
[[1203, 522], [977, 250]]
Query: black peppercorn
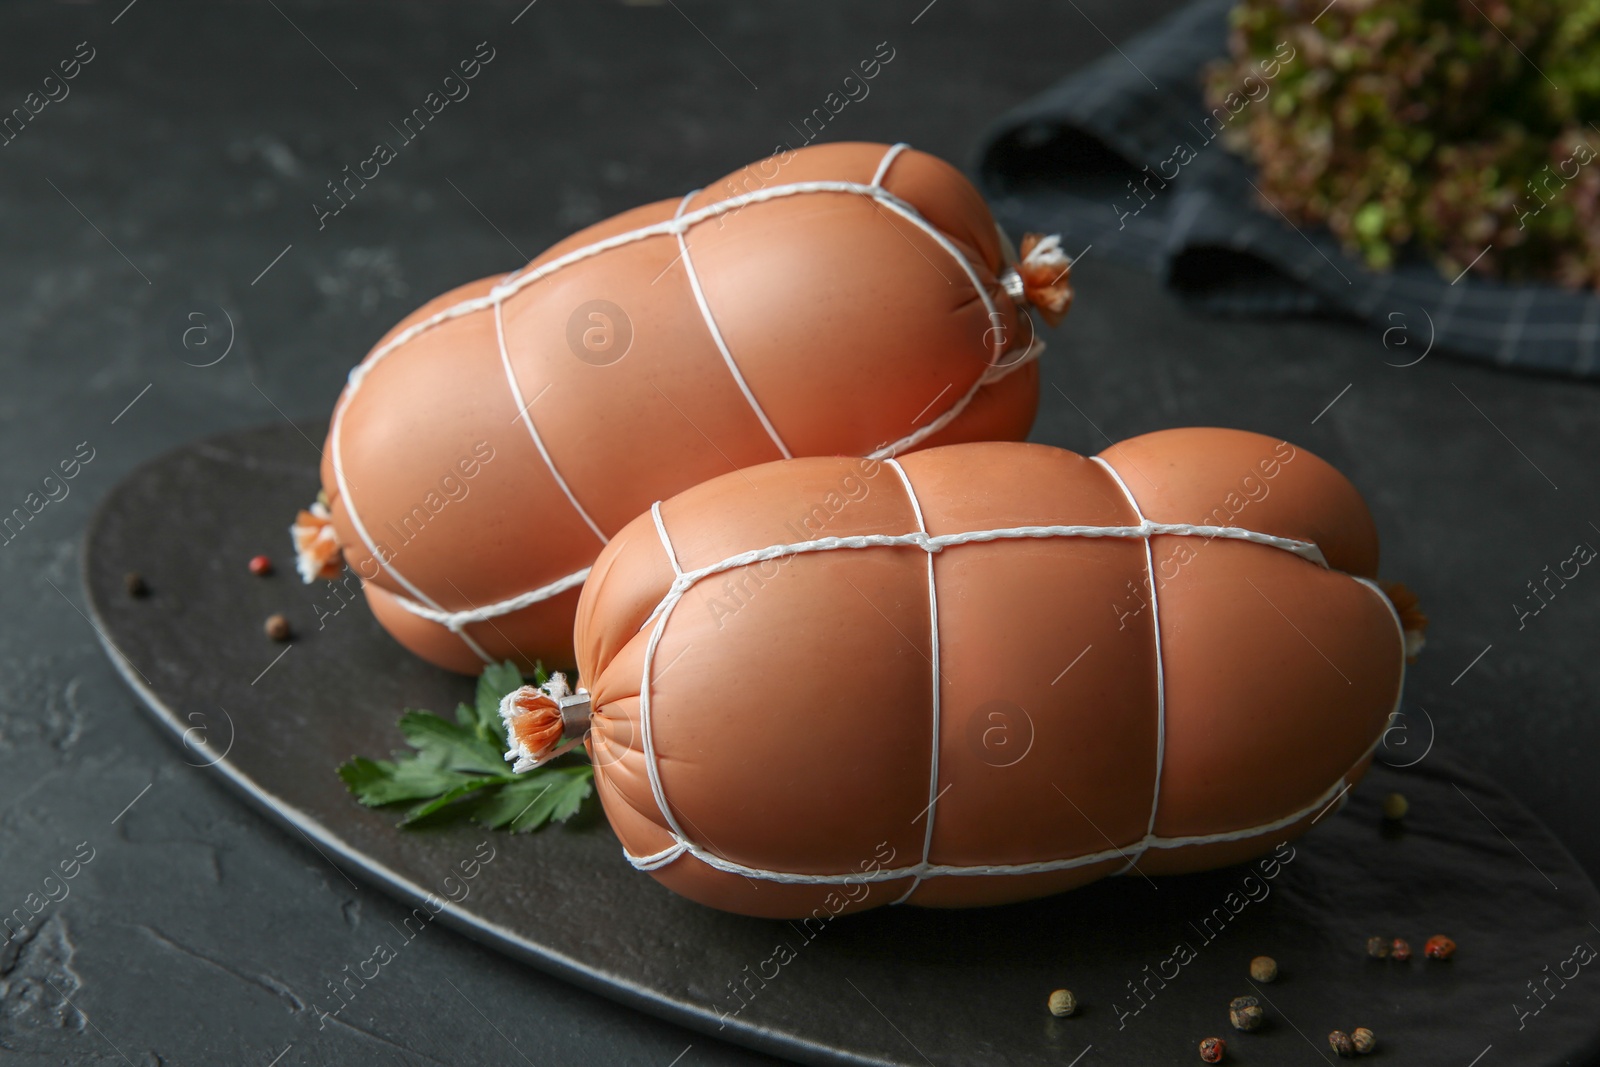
[[1341, 1044], [1363, 1040], [1245, 1013], [133, 581]]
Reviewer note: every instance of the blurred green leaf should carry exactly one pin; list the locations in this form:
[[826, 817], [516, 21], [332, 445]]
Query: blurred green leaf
[[1432, 127]]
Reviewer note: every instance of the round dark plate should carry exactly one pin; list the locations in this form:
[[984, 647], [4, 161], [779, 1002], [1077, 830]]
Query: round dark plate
[[1154, 963]]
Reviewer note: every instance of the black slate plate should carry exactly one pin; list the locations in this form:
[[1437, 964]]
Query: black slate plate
[[896, 986]]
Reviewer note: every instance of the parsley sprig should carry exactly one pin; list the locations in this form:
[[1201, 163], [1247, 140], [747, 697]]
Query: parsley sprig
[[459, 768]]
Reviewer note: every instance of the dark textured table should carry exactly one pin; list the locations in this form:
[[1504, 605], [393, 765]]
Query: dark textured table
[[178, 175]]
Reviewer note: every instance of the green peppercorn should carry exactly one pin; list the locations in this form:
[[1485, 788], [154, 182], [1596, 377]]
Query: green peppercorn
[[1341, 1044], [1395, 807], [1363, 1040], [1379, 947], [1063, 1003], [1245, 1013]]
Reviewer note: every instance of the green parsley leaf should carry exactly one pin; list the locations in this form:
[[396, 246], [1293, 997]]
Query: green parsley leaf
[[546, 794], [495, 682], [459, 768], [444, 800], [448, 745], [379, 782]]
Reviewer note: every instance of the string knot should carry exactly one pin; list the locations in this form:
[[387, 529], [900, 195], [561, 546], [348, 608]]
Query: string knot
[[317, 552], [1042, 278], [539, 718]]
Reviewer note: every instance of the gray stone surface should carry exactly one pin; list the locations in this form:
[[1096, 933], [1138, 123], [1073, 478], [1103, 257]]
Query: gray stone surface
[[187, 157]]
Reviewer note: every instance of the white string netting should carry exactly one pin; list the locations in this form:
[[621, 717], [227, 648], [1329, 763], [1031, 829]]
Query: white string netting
[[1002, 362], [1129, 853]]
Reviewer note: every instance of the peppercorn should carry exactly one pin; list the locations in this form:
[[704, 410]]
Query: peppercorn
[[1245, 1014], [277, 628], [1378, 947], [1212, 1049], [260, 566], [1063, 1003], [1341, 1044], [1264, 969], [133, 581], [1363, 1040], [1400, 950], [1395, 807], [1439, 947]]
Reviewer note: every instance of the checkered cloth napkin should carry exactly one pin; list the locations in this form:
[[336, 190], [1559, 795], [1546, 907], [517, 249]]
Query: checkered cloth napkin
[[1123, 158]]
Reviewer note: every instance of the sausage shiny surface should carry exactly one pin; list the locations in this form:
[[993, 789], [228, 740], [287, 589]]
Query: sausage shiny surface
[[986, 672], [839, 299]]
